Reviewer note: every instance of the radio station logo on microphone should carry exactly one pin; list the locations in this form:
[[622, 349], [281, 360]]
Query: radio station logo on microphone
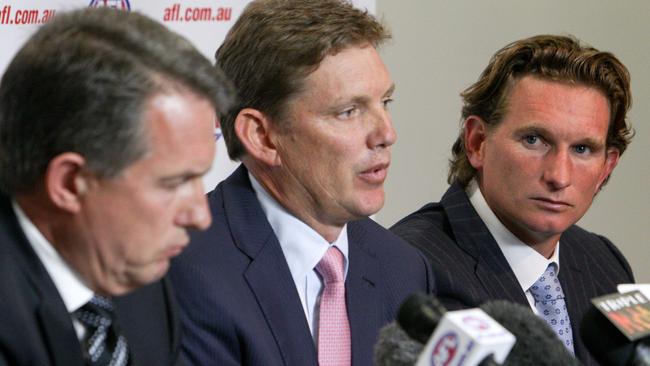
[[115, 4], [476, 323], [629, 312], [445, 349]]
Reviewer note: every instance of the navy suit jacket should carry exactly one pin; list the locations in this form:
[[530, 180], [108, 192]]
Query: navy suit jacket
[[239, 304], [36, 328], [470, 268]]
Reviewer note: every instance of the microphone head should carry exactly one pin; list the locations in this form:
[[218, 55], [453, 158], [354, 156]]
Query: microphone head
[[419, 315], [395, 348], [606, 343], [536, 344]]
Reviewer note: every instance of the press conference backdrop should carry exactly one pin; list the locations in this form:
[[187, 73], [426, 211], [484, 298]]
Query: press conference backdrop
[[439, 48], [203, 22]]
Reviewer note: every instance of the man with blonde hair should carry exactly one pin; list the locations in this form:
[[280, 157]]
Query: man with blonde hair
[[292, 271]]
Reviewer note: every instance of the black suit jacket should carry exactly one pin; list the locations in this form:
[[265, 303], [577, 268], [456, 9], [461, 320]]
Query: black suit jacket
[[36, 329], [239, 304], [470, 268]]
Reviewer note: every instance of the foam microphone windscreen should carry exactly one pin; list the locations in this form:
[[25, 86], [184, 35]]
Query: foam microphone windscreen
[[537, 344], [395, 348], [419, 316]]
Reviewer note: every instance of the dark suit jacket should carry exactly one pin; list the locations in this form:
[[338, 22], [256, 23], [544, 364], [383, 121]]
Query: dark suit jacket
[[239, 302], [36, 329], [470, 268]]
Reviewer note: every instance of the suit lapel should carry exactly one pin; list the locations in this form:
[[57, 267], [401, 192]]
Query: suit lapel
[[268, 275], [492, 269], [58, 333], [363, 300], [51, 314], [574, 282]]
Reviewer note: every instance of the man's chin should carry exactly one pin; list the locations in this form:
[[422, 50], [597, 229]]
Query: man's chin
[[137, 279], [371, 205], [547, 230]]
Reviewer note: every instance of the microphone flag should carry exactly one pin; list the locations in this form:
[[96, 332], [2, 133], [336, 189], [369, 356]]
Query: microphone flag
[[629, 312]]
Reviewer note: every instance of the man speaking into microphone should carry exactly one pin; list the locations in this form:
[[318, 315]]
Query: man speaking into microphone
[[292, 270], [543, 129]]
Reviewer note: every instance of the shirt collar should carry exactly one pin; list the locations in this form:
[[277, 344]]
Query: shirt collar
[[527, 264], [71, 289], [302, 246]]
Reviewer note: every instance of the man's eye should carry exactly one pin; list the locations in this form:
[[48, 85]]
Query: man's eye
[[349, 113], [173, 183], [531, 139], [386, 102], [582, 149]]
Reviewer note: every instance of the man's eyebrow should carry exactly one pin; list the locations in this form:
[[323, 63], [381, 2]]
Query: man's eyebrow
[[363, 99], [390, 91], [187, 174], [533, 127]]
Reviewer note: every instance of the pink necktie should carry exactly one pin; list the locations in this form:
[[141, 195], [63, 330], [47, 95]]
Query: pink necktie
[[334, 345]]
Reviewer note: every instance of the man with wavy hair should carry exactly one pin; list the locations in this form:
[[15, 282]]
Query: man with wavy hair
[[543, 129]]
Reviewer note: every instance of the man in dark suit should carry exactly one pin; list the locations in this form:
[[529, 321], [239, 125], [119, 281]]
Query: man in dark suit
[[292, 272], [106, 126], [544, 127]]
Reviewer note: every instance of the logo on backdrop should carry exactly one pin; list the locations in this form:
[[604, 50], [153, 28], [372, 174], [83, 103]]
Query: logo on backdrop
[[116, 4]]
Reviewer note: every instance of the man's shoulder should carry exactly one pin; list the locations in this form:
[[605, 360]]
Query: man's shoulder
[[430, 230], [594, 249], [583, 240], [396, 258], [383, 243], [433, 224], [429, 219]]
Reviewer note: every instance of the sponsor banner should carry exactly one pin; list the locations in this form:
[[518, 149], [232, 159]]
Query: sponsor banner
[[205, 23]]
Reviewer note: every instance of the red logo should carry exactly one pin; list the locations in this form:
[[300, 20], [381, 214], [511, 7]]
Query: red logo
[[476, 323], [444, 351], [116, 4]]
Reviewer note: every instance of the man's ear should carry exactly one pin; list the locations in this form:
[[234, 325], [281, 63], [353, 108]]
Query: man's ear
[[65, 181], [254, 129], [611, 160], [475, 134]]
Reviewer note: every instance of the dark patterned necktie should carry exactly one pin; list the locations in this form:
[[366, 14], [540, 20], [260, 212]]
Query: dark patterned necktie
[[102, 344]]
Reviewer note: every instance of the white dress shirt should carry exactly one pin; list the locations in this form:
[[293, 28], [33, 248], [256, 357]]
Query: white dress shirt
[[527, 264], [303, 248], [71, 289]]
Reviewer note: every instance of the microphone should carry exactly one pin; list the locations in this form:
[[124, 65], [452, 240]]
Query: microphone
[[419, 316], [536, 344], [395, 348], [463, 337], [616, 329]]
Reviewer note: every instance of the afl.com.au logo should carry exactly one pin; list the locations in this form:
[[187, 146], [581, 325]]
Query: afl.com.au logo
[[117, 4], [444, 351]]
